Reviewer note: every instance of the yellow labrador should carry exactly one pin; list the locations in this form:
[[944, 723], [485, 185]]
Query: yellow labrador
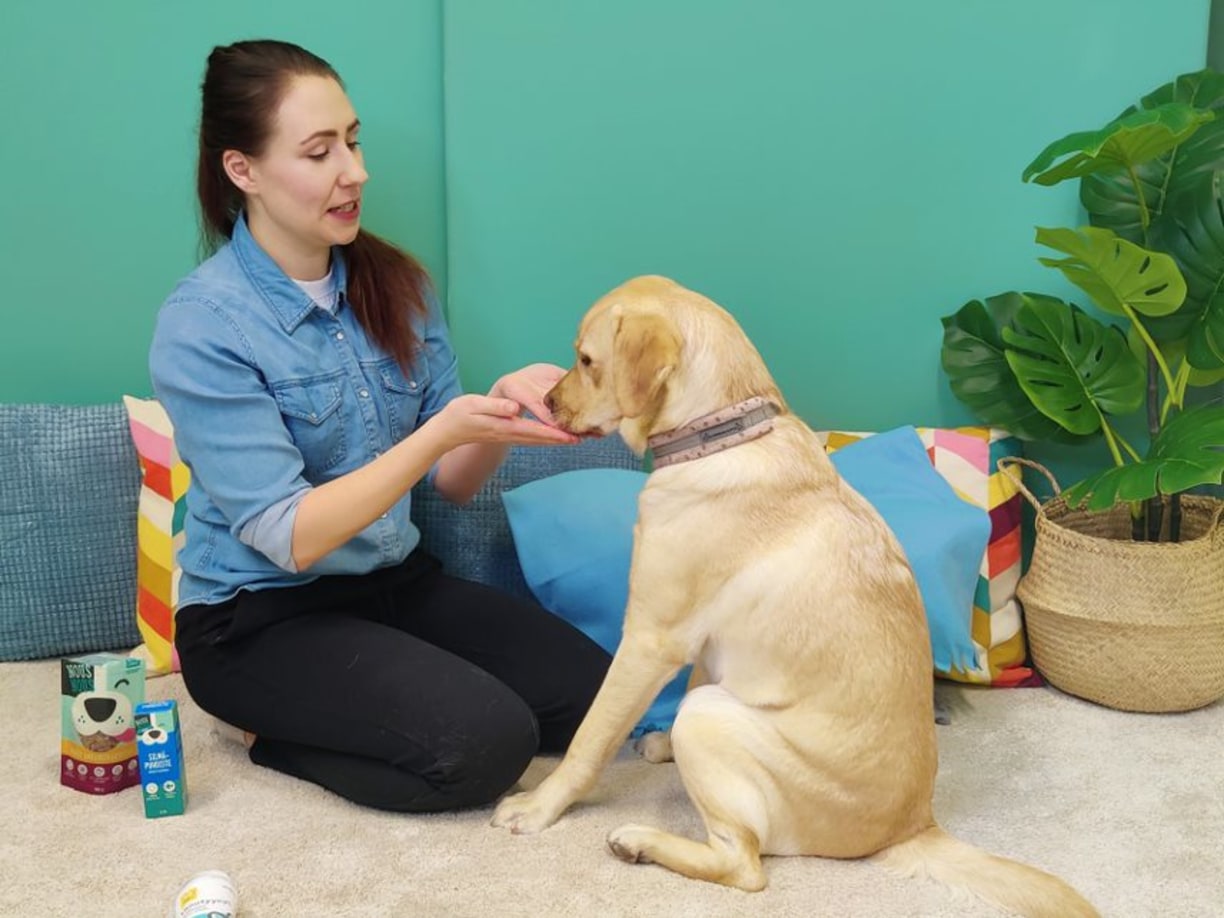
[[813, 733]]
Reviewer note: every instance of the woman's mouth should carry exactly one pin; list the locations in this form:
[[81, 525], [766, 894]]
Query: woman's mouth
[[347, 212]]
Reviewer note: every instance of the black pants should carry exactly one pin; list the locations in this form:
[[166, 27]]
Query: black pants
[[404, 689]]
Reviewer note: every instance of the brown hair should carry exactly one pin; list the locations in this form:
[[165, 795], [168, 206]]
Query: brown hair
[[243, 87]]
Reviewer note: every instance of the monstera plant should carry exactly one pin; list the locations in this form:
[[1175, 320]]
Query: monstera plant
[[1152, 264]]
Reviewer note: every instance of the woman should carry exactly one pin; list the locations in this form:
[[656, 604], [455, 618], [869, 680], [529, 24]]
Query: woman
[[308, 374]]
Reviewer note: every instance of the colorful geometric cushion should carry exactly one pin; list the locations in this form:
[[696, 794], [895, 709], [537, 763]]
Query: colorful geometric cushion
[[966, 457], [159, 531]]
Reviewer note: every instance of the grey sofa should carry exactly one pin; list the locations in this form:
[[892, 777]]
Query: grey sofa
[[69, 485]]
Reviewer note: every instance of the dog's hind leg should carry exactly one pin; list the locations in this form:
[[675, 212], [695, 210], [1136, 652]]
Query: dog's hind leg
[[726, 783]]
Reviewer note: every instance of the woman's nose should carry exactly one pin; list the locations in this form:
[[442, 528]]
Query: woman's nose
[[354, 171]]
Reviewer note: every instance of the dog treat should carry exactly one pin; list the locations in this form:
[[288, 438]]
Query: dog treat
[[211, 894], [159, 750], [98, 696]]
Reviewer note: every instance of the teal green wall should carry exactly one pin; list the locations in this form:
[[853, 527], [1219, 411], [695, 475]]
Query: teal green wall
[[838, 175], [100, 104]]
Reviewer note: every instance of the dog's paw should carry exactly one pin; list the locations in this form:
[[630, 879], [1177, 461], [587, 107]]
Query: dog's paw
[[525, 814], [655, 747], [629, 843]]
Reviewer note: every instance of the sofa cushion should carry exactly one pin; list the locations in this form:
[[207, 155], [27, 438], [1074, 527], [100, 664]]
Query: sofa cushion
[[944, 537], [69, 483], [164, 479], [966, 457], [574, 536], [450, 533]]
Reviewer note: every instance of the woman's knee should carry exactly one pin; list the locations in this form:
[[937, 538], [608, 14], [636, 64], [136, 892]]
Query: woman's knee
[[477, 758]]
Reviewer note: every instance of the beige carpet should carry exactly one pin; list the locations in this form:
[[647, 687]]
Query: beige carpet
[[1128, 808]]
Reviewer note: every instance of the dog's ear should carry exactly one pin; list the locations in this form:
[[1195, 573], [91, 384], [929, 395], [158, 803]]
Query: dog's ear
[[646, 351]]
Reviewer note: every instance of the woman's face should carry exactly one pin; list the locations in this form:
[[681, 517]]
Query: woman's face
[[304, 190]]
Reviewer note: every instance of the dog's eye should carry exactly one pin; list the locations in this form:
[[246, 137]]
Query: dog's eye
[[584, 359]]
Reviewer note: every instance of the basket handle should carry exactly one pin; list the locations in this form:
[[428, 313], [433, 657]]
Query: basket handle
[[1005, 466]]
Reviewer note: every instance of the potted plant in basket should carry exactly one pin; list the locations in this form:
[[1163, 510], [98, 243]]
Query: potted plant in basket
[[1124, 598]]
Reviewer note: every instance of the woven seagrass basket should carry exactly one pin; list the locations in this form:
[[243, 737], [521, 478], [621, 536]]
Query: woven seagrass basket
[[1137, 626]]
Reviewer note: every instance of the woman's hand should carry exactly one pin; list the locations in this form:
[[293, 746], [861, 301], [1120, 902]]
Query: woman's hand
[[528, 387], [476, 429], [493, 419]]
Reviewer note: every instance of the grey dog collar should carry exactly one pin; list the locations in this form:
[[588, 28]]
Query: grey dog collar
[[714, 432]]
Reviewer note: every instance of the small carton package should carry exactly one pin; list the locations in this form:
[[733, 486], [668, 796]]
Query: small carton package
[[159, 749], [98, 696]]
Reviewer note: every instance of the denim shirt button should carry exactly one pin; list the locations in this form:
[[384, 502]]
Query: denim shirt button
[[364, 393], [412, 384], [339, 336]]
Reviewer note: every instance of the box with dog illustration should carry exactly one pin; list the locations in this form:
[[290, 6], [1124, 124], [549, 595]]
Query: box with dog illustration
[[159, 750], [98, 696]]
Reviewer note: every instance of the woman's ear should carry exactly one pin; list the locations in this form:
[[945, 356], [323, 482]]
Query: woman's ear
[[238, 167]]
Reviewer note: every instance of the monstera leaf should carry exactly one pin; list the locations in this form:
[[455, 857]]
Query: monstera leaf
[[1193, 230], [1074, 369], [1117, 274], [1188, 452], [1109, 196], [980, 376], [1134, 138]]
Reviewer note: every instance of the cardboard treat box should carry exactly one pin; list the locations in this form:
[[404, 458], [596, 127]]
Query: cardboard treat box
[[98, 696], [159, 750]]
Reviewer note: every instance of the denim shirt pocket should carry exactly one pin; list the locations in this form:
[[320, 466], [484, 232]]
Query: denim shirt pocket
[[311, 409], [402, 394]]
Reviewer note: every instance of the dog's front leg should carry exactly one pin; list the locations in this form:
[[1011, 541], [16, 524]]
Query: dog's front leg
[[638, 673]]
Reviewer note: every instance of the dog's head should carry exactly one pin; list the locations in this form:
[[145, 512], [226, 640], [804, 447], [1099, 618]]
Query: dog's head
[[652, 355]]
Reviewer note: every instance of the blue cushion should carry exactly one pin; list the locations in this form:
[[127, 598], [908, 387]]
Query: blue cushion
[[944, 537], [573, 533], [69, 484], [473, 541]]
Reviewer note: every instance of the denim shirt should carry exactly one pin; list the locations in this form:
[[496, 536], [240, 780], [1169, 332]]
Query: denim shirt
[[270, 395]]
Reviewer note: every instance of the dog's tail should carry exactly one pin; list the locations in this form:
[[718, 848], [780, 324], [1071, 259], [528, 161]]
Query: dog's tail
[[1009, 885]]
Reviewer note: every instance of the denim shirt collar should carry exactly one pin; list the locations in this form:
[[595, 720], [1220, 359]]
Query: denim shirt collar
[[289, 302]]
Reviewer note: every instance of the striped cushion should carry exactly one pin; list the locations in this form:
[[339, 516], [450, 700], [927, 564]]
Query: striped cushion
[[159, 531], [966, 457]]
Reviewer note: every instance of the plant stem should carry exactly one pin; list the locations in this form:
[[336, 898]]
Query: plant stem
[[1153, 353], [1154, 507], [1136, 515], [1175, 508], [1111, 439], [1176, 398]]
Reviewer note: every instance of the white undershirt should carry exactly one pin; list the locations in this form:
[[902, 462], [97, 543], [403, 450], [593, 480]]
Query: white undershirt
[[323, 291]]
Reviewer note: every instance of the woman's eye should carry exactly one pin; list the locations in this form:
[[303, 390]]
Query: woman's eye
[[354, 144], [317, 156]]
